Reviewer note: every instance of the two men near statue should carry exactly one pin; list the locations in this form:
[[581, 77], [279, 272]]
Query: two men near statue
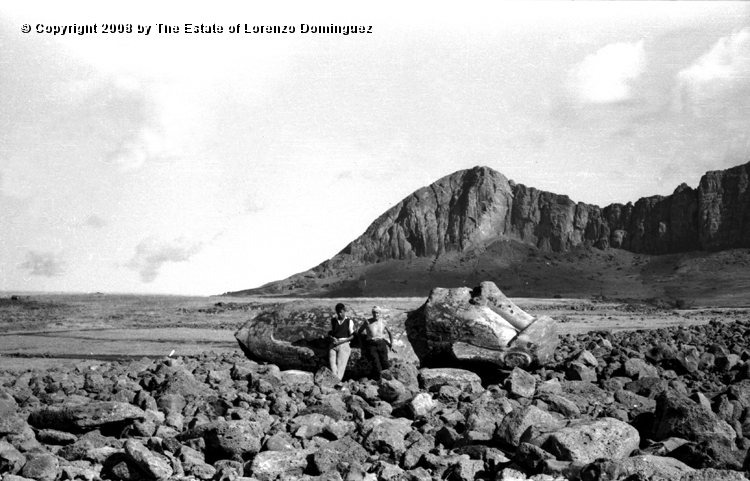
[[372, 337]]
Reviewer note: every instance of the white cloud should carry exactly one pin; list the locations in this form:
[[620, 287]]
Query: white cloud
[[607, 75], [45, 264], [718, 72], [151, 255], [133, 152], [95, 221]]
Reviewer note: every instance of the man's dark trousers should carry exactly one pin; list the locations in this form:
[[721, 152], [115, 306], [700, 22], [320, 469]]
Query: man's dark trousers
[[377, 351]]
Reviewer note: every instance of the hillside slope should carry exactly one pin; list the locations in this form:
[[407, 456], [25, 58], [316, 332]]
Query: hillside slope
[[476, 225]]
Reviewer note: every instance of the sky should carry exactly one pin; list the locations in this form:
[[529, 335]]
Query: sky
[[200, 163]]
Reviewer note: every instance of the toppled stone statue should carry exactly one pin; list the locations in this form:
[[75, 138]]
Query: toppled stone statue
[[480, 324], [293, 337], [452, 327]]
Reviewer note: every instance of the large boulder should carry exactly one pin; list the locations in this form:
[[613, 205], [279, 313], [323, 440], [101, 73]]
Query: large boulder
[[587, 441], [84, 417], [678, 415]]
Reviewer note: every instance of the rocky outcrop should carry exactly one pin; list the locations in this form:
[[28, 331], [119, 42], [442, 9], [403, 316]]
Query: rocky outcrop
[[474, 207]]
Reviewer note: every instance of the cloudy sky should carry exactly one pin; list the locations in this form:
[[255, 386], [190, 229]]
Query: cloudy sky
[[192, 163]]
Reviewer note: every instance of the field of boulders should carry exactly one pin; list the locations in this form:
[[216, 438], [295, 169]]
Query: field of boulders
[[670, 404]]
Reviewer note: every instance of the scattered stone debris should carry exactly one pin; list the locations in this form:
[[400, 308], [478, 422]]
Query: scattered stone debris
[[660, 404]]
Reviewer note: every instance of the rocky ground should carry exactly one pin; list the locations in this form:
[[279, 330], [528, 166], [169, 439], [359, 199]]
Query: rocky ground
[[670, 403]]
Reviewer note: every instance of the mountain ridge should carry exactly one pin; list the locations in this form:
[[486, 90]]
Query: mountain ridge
[[469, 211]]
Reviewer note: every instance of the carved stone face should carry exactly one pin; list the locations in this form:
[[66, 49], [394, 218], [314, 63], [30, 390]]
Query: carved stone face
[[479, 324]]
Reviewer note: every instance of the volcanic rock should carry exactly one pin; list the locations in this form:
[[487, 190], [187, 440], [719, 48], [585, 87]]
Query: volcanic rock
[[678, 415], [41, 468], [520, 383], [586, 441], [11, 460], [339, 455], [386, 435], [233, 439], [514, 425], [271, 465], [466, 381], [152, 464], [76, 418]]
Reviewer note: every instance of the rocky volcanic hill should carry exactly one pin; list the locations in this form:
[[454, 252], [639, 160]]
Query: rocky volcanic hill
[[477, 225]]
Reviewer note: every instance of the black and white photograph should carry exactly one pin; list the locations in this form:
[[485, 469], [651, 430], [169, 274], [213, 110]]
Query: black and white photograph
[[386, 241]]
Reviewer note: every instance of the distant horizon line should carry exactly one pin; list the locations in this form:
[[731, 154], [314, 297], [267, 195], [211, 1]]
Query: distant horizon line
[[4, 293]]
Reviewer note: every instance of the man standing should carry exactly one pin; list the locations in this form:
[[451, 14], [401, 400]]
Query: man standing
[[374, 343], [342, 332]]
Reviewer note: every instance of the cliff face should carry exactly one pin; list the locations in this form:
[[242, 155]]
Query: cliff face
[[471, 208]]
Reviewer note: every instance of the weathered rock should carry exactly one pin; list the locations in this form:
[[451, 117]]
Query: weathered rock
[[233, 439], [339, 455], [182, 382], [562, 405], [8, 404], [587, 396], [315, 424], [76, 418], [271, 465], [514, 425], [634, 403], [678, 415], [152, 464], [171, 403], [418, 444], [295, 379], [386, 435], [421, 405], [586, 441], [12, 424], [52, 436], [710, 453], [325, 377], [532, 457], [711, 474], [578, 372], [520, 383], [392, 391], [11, 460], [467, 469], [638, 368], [485, 414], [433, 379], [658, 467], [280, 442], [649, 387], [41, 468], [386, 471]]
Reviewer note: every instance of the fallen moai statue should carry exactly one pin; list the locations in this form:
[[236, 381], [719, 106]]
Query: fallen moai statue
[[453, 326], [480, 324], [296, 337]]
